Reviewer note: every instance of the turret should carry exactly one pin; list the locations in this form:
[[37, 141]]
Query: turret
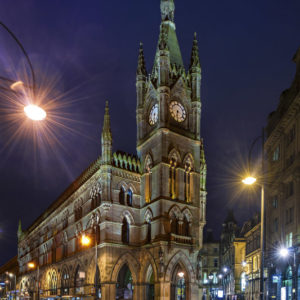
[[141, 77], [195, 70], [106, 138]]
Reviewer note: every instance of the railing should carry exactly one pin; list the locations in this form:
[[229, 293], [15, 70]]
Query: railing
[[181, 239]]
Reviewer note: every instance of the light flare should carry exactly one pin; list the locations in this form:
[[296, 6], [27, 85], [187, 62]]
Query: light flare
[[85, 240], [35, 112], [249, 180], [283, 252]]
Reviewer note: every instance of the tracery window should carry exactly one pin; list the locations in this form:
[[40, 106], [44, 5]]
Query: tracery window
[[129, 197], [174, 225], [125, 231], [172, 178], [187, 182], [122, 196], [65, 283]]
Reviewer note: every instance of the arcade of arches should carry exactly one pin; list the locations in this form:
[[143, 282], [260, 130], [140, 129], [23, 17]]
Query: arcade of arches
[[127, 280]]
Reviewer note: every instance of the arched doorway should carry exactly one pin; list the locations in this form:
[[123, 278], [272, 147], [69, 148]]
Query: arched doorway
[[179, 284], [79, 281], [65, 282], [124, 285], [97, 284], [150, 284]]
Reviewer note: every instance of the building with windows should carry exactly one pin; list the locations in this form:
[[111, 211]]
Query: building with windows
[[251, 233], [8, 275], [209, 256], [232, 256], [130, 226], [282, 151]]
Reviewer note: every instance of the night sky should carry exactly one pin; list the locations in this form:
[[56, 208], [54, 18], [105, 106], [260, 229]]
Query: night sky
[[85, 52]]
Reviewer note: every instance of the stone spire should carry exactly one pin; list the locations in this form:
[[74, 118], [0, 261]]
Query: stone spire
[[167, 8], [20, 232], [195, 62], [168, 38], [141, 69], [106, 138]]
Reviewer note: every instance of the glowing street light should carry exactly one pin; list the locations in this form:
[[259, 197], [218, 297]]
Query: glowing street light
[[85, 240], [283, 252], [31, 265], [249, 180], [35, 112], [244, 264], [225, 269], [181, 274]]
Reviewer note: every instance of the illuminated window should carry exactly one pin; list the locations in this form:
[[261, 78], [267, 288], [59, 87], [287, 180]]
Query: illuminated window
[[172, 178], [243, 282], [289, 240], [276, 154]]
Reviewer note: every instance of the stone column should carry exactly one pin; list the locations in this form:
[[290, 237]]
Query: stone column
[[108, 290], [162, 291]]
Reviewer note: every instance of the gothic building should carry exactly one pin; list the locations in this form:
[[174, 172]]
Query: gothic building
[[142, 214]]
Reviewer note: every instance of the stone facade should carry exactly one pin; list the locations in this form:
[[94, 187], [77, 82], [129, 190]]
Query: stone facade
[[144, 214], [282, 164]]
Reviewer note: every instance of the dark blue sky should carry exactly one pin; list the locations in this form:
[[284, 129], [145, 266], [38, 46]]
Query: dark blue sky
[[88, 51]]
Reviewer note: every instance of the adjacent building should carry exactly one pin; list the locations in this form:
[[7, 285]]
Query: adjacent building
[[209, 255], [251, 232], [282, 166], [8, 279], [130, 226], [232, 254]]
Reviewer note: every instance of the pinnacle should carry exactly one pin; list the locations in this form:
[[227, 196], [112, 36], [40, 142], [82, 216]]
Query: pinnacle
[[106, 131], [195, 62], [141, 69]]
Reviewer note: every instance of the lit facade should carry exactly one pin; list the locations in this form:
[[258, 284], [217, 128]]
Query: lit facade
[[144, 214], [251, 232], [232, 256], [210, 268], [282, 147]]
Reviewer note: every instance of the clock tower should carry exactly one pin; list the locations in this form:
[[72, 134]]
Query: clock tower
[[169, 144]]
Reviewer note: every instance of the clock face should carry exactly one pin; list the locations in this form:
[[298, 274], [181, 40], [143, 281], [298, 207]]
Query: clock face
[[153, 116], [177, 111]]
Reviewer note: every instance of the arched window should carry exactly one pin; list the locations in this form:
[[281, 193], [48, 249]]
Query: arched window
[[185, 227], [122, 196], [174, 225], [79, 281], [149, 233], [178, 285], [96, 201], [150, 292], [125, 232], [124, 284], [187, 182], [53, 284], [65, 282], [129, 197], [172, 178]]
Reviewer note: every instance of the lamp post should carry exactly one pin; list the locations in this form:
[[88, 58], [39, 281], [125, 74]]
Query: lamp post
[[210, 277], [181, 276], [12, 275], [32, 266], [32, 111], [250, 180], [286, 253], [86, 241]]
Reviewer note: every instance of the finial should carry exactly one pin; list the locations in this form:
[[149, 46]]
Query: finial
[[195, 62], [167, 8], [20, 232], [106, 107], [141, 69]]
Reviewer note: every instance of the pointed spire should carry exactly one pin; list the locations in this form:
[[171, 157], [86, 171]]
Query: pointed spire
[[141, 69], [106, 131], [20, 231], [167, 8], [195, 62]]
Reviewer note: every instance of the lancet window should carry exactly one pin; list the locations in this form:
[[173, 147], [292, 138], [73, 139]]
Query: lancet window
[[122, 196], [172, 178], [148, 179], [125, 231]]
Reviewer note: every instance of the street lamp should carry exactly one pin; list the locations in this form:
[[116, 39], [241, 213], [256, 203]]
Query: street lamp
[[32, 111], [250, 180], [32, 265], [12, 275], [86, 241]]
